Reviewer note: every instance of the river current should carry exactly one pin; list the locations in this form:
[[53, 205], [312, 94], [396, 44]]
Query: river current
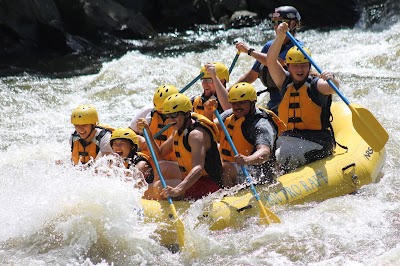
[[55, 215]]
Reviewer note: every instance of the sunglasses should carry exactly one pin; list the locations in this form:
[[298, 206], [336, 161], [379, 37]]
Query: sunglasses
[[206, 80], [171, 115], [277, 22]]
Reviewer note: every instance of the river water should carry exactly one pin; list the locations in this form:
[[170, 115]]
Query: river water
[[55, 215]]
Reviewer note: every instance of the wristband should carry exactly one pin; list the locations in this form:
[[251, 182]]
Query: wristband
[[249, 51]]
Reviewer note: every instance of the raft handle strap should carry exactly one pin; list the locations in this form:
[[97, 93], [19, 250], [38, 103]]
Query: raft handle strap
[[348, 166], [245, 208]]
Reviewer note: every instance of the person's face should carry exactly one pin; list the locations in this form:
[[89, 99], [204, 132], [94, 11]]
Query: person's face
[[177, 120], [84, 130], [122, 147], [208, 87], [241, 108], [299, 71]]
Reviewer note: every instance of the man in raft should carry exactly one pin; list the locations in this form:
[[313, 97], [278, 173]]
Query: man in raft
[[194, 143], [305, 106], [290, 15], [253, 131], [216, 76]]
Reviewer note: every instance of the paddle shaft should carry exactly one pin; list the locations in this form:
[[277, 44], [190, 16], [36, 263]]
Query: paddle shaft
[[180, 229], [228, 137], [153, 155], [234, 62], [192, 82], [162, 130], [295, 42]]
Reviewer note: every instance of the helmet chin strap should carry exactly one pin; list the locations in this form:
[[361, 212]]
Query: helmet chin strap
[[253, 108], [292, 30], [184, 126], [93, 127]]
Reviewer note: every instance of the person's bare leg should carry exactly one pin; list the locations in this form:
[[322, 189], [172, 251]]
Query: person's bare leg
[[229, 175]]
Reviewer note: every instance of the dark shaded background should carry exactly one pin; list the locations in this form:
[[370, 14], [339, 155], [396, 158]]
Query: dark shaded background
[[37, 34]]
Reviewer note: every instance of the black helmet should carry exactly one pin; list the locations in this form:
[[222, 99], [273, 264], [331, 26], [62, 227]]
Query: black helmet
[[286, 12]]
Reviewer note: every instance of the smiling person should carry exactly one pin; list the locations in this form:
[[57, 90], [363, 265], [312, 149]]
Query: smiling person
[[194, 143], [253, 132], [89, 141], [124, 142], [216, 75], [305, 107]]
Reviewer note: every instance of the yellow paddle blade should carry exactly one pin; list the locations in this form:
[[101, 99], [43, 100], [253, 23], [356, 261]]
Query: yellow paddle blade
[[266, 215], [368, 127], [180, 228]]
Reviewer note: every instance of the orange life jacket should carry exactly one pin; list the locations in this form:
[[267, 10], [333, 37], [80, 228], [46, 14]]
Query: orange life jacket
[[156, 124], [198, 107], [243, 146], [299, 109], [181, 147], [140, 156], [84, 152], [234, 127]]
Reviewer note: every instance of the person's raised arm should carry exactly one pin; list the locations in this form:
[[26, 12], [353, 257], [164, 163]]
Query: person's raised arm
[[249, 77], [222, 93], [276, 70], [244, 48]]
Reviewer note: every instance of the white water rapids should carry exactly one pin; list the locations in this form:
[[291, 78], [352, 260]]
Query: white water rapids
[[54, 215]]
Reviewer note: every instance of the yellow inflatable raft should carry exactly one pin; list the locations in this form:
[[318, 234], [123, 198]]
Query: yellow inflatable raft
[[340, 174]]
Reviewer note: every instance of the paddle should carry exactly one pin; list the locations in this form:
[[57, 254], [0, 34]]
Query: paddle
[[190, 84], [266, 216], [234, 62], [364, 121], [180, 228]]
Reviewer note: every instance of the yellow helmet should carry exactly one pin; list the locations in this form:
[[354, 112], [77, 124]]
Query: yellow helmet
[[177, 103], [221, 69], [294, 55], [84, 114], [124, 133], [161, 94], [242, 91]]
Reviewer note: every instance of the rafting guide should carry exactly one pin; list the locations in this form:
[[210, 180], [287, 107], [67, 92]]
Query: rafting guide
[[259, 69]]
